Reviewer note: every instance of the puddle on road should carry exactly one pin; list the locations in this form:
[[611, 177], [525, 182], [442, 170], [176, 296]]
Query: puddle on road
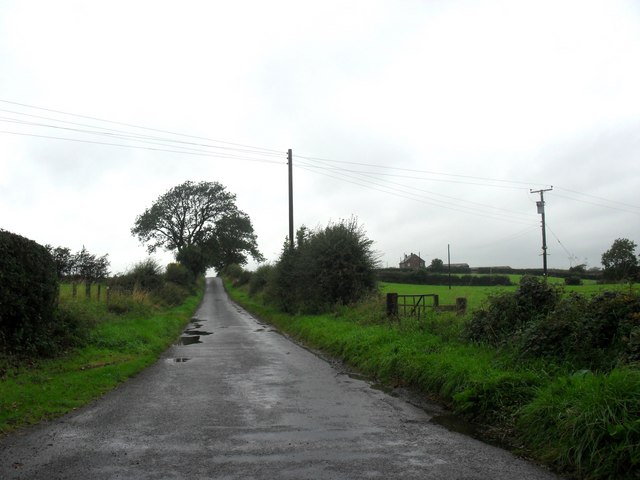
[[178, 360], [197, 332], [189, 340], [259, 330]]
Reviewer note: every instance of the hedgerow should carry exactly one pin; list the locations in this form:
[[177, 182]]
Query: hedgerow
[[538, 321], [28, 296]]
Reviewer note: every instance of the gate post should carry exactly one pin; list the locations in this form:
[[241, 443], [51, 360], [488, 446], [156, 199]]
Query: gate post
[[392, 304], [461, 305]]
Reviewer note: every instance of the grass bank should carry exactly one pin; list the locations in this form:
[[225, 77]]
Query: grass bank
[[583, 423], [115, 348]]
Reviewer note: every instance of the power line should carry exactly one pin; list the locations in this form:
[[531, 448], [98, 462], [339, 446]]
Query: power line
[[411, 196], [413, 177], [509, 212], [136, 138], [120, 133], [137, 126], [528, 184], [598, 204], [215, 155], [571, 255], [520, 233], [252, 150], [598, 198]]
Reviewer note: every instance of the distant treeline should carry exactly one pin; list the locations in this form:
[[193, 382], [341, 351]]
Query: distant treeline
[[427, 277]]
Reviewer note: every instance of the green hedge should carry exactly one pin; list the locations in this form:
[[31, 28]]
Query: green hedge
[[28, 296], [427, 277]]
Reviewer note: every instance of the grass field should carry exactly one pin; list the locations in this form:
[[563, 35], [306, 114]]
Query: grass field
[[476, 295]]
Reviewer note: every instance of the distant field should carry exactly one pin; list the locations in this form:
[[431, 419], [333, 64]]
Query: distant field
[[476, 295]]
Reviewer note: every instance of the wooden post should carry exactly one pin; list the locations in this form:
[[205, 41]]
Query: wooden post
[[290, 165], [436, 301], [99, 288], [87, 289], [461, 305], [392, 304], [74, 289]]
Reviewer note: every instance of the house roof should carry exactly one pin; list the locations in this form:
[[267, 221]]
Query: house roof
[[413, 255]]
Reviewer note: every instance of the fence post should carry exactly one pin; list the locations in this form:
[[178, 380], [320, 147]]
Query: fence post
[[461, 305], [74, 289], [87, 289], [99, 285], [392, 304], [436, 301]]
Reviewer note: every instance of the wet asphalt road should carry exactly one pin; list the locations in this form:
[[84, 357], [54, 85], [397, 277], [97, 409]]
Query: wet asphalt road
[[246, 403]]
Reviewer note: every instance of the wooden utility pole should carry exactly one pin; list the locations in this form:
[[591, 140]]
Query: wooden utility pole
[[449, 262], [290, 163], [540, 205]]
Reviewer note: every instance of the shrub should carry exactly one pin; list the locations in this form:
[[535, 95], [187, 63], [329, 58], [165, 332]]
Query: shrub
[[179, 274], [599, 333], [260, 279], [171, 294], [505, 316], [28, 296], [329, 266], [558, 334], [243, 279], [573, 280], [536, 297], [122, 302], [74, 321], [145, 275], [495, 321], [233, 271]]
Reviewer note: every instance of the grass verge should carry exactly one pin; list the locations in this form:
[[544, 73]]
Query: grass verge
[[582, 423], [116, 347]]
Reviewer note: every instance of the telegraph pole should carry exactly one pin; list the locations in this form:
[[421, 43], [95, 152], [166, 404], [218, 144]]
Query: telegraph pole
[[540, 205], [449, 262], [290, 163]]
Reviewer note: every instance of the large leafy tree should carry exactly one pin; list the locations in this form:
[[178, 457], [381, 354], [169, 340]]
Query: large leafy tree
[[620, 261], [201, 224]]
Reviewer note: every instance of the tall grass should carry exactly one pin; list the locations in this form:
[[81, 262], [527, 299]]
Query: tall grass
[[587, 422]]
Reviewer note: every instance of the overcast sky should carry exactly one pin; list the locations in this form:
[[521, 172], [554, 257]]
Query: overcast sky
[[430, 121]]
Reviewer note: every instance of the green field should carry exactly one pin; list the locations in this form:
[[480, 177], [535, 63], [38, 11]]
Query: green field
[[476, 295]]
